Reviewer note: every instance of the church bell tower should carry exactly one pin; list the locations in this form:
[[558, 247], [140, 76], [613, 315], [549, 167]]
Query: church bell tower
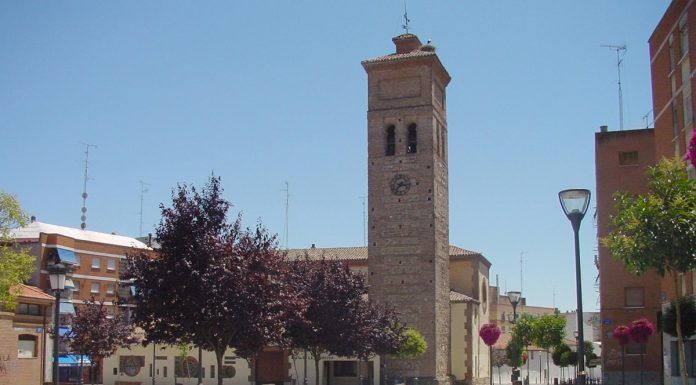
[[408, 199]]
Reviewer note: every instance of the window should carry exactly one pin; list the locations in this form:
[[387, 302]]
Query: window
[[628, 158], [391, 141], [345, 369], [77, 260], [96, 263], [164, 371], [76, 286], [635, 348], [110, 288], [634, 297], [690, 350], [502, 316], [26, 346], [212, 371], [94, 289], [412, 144], [111, 264], [28, 309]]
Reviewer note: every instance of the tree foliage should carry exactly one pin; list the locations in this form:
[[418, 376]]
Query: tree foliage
[[548, 331], [558, 352], [687, 306], [657, 230], [414, 345], [513, 353], [338, 318], [212, 284], [16, 265], [96, 334], [524, 330]]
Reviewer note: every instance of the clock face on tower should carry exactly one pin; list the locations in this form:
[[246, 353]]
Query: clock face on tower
[[400, 184]]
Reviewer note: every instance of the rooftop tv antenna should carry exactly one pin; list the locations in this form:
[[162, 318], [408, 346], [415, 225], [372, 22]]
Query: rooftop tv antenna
[[287, 213], [83, 218], [646, 117], [143, 190], [620, 50], [406, 19]]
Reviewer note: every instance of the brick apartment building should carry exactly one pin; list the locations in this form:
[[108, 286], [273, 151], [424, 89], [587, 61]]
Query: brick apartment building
[[621, 160], [93, 260]]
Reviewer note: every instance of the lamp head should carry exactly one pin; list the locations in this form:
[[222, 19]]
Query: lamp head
[[514, 297], [574, 202], [56, 275]]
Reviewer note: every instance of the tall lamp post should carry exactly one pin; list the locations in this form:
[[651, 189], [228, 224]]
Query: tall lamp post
[[574, 203], [56, 275], [514, 298]]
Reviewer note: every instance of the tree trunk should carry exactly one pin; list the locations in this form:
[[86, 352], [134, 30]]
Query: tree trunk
[[548, 370], [680, 337], [316, 368], [218, 359]]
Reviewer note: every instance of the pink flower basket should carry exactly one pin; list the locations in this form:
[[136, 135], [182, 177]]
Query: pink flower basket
[[641, 330], [622, 333], [489, 333], [691, 151]]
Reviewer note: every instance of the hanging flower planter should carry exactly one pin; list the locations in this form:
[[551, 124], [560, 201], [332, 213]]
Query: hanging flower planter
[[641, 330], [691, 151], [622, 334], [490, 333]]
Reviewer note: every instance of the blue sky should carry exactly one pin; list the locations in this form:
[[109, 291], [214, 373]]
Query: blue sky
[[266, 92]]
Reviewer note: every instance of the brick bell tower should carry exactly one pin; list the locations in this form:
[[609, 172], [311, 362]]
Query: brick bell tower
[[408, 244]]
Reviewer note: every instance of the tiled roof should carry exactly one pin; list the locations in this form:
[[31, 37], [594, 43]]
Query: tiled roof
[[399, 56], [355, 253], [458, 297], [34, 229], [343, 253], [33, 292]]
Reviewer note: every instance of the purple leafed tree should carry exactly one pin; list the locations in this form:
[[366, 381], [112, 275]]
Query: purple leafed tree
[[339, 319], [212, 284], [96, 334]]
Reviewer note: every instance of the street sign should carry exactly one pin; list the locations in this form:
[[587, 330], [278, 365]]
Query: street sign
[[608, 321]]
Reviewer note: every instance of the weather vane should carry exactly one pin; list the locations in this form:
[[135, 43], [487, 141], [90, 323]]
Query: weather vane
[[406, 19]]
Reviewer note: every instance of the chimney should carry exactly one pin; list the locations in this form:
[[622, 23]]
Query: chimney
[[33, 218], [603, 128], [406, 43], [314, 246], [149, 239]]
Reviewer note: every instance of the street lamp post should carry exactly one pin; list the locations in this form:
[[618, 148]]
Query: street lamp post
[[514, 298], [574, 203], [56, 275]]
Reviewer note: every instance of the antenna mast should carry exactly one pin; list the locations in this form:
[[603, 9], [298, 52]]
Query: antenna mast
[[619, 49], [83, 218], [143, 190], [406, 19], [287, 209]]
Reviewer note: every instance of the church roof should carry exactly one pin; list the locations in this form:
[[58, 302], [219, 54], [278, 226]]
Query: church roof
[[399, 56], [457, 297], [360, 253]]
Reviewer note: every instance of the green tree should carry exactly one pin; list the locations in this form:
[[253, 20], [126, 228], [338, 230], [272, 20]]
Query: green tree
[[557, 356], [414, 344], [548, 332], [16, 265], [657, 230], [524, 332], [513, 353], [687, 309]]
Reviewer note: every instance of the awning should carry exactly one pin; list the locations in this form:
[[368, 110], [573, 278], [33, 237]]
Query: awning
[[63, 330], [67, 308], [69, 284], [66, 256], [73, 360]]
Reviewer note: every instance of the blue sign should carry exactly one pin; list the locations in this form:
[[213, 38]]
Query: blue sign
[[39, 330], [608, 321]]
